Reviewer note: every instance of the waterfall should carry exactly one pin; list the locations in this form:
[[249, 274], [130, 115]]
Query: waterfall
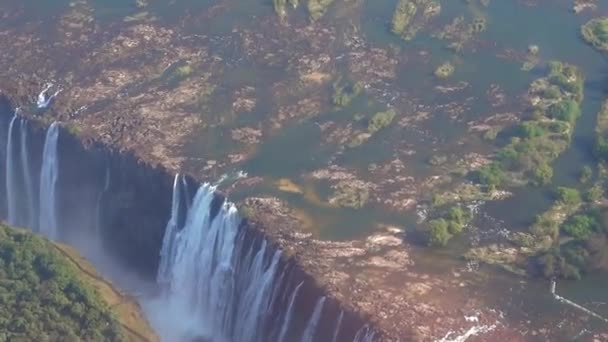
[[44, 99], [213, 286], [338, 326], [48, 222], [257, 299], [32, 218], [365, 334], [289, 314], [99, 206], [217, 280], [166, 253], [311, 327], [12, 174]]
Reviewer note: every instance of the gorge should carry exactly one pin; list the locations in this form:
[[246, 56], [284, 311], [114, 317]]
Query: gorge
[[210, 277]]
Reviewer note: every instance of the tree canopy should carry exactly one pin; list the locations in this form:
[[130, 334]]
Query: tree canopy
[[42, 298]]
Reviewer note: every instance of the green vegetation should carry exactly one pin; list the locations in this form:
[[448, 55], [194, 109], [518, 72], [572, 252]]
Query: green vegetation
[[317, 8], [580, 226], [595, 32], [345, 92], [586, 174], [377, 122], [350, 195], [403, 15], [176, 73], [460, 31], [601, 130], [584, 226], [445, 70], [566, 110], [540, 139], [380, 120], [411, 15], [42, 297], [280, 7], [439, 234], [452, 223], [569, 196]]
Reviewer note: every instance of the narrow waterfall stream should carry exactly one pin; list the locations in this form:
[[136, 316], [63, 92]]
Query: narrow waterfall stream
[[215, 281], [48, 223], [12, 176]]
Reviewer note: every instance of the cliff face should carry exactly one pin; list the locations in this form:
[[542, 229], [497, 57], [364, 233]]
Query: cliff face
[[133, 198], [126, 204]]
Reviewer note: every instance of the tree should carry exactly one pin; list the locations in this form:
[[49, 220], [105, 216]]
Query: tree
[[569, 196], [580, 226], [439, 234], [586, 174], [543, 174], [43, 299], [567, 110]]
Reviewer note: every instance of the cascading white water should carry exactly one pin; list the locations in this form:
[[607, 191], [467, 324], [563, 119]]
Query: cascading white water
[[49, 173], [311, 327], [338, 326], [12, 173], [167, 254], [216, 284], [44, 99], [365, 334], [289, 314], [32, 217], [220, 287], [212, 287]]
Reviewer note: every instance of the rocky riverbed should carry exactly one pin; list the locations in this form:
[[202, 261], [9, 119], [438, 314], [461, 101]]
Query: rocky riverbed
[[332, 115]]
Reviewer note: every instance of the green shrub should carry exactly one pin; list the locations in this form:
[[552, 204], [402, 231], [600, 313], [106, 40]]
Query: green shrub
[[457, 218], [317, 8], [555, 68], [559, 127], [552, 264], [491, 134], [439, 234], [595, 32], [580, 226], [586, 174], [542, 174], [445, 70], [345, 92], [380, 120], [567, 110], [491, 175], [404, 12], [280, 8], [601, 148], [545, 226], [531, 129], [594, 194], [569, 196], [552, 93]]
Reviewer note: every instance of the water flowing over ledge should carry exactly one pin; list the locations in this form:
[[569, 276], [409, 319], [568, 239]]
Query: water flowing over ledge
[[198, 269]]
